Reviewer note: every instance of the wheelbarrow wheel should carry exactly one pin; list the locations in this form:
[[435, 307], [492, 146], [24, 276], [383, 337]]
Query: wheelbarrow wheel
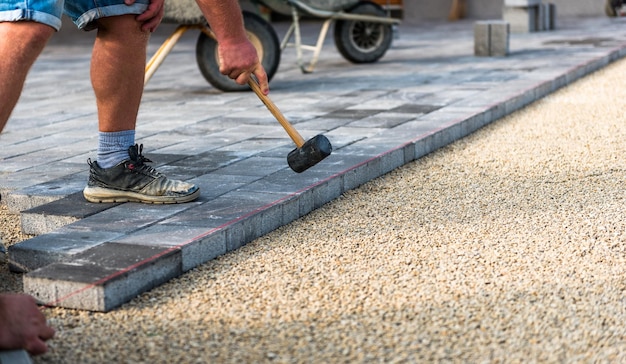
[[262, 36], [363, 42]]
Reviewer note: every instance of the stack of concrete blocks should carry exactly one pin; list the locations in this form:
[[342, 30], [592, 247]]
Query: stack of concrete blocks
[[527, 16], [491, 38]]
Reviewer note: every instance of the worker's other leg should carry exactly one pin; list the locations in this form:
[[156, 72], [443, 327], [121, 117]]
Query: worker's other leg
[[20, 44]]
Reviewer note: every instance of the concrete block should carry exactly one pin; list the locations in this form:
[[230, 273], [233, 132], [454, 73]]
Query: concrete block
[[58, 246], [104, 277], [546, 17], [491, 38], [482, 39], [521, 19], [394, 159], [43, 193], [197, 244], [203, 249], [541, 22], [499, 31], [550, 10], [51, 216]]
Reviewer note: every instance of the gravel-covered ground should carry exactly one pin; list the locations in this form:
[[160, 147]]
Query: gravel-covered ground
[[507, 246]]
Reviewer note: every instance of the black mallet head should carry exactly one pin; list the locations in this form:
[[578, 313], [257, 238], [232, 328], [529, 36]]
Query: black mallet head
[[309, 154]]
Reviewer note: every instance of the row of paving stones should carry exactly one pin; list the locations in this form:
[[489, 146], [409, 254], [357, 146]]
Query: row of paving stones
[[428, 91]]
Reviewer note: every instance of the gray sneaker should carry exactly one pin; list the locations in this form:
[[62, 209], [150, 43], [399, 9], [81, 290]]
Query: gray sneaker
[[134, 181]]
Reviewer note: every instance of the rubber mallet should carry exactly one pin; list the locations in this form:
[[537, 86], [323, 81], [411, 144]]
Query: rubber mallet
[[307, 154]]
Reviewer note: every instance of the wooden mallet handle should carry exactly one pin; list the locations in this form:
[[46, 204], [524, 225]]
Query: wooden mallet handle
[[293, 133]]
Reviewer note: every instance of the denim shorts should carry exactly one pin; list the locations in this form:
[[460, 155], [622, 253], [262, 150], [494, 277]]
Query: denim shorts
[[82, 12]]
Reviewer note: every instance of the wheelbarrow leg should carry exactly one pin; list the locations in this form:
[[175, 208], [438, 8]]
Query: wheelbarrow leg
[[287, 37], [317, 49], [296, 24], [318, 46], [164, 50]]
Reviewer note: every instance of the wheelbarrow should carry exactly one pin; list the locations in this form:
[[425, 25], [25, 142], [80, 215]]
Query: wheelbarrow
[[363, 34], [363, 30], [188, 16]]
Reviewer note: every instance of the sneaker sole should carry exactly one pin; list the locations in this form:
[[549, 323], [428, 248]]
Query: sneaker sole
[[105, 195]]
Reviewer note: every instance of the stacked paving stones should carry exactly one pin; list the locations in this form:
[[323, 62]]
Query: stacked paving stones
[[428, 91], [529, 15], [491, 37]]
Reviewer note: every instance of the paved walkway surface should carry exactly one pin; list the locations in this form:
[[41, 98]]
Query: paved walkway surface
[[427, 91]]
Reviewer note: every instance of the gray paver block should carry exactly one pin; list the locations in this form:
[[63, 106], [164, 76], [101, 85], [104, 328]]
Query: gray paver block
[[37, 224], [499, 45], [242, 231], [58, 246], [549, 14], [522, 19], [51, 216], [203, 249], [254, 166], [482, 39], [491, 38], [104, 277], [129, 217], [198, 245], [43, 193]]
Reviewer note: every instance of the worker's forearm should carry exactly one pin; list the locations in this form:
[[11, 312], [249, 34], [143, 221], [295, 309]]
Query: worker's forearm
[[225, 19]]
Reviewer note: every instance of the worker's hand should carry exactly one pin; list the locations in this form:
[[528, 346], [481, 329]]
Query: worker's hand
[[240, 60], [22, 325], [151, 18]]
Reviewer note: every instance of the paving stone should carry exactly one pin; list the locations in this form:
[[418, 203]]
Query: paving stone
[[45, 192], [254, 166], [51, 216], [197, 245], [130, 217], [382, 120], [104, 277], [213, 185], [491, 38], [58, 246], [415, 109]]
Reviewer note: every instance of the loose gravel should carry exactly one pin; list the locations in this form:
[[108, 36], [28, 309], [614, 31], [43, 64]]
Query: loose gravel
[[506, 246]]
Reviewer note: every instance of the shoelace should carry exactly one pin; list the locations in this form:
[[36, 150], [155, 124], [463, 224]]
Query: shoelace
[[138, 160], [136, 155]]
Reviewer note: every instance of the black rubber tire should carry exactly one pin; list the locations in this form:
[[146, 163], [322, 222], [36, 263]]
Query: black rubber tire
[[363, 42], [260, 33]]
